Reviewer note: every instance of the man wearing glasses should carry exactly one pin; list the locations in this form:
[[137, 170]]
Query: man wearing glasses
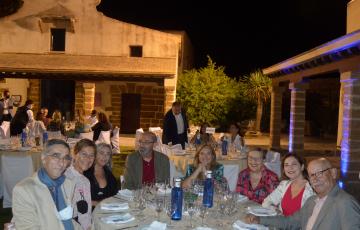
[[43, 201], [331, 208], [146, 166]]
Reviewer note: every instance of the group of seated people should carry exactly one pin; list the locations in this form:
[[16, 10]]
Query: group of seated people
[[64, 190], [304, 196]]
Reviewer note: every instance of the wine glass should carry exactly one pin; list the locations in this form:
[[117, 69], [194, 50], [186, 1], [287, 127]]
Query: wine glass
[[191, 209], [159, 204], [170, 211], [203, 212]]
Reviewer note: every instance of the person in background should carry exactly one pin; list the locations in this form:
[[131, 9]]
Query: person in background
[[92, 119], [43, 201], [235, 139], [81, 126], [175, 126], [205, 159], [205, 138], [38, 128], [292, 193], [102, 125], [102, 181], [55, 123], [7, 106], [45, 113], [331, 208], [24, 117], [84, 154], [256, 181], [146, 166]]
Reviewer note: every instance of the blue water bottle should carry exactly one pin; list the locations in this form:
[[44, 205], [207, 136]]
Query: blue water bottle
[[45, 137], [208, 190], [198, 139], [23, 138], [224, 147], [176, 200]]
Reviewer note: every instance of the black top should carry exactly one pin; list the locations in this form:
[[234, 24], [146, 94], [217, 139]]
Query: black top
[[98, 127], [170, 133], [97, 193]]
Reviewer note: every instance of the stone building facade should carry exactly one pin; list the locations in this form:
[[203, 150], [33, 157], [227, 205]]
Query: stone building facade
[[116, 67]]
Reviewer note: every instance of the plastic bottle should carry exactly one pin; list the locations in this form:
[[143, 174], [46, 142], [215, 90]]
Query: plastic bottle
[[45, 138], [208, 190], [177, 200], [198, 139], [224, 146], [23, 138]]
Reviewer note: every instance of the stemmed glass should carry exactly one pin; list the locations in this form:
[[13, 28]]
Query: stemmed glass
[[191, 209], [203, 212], [170, 211], [159, 204]]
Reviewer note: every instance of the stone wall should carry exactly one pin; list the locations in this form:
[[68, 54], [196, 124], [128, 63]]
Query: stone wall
[[34, 93]]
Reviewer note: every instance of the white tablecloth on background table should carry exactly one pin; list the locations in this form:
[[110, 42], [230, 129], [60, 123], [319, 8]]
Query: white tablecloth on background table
[[14, 167]]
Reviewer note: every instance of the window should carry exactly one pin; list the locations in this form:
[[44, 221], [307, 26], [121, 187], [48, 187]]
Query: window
[[58, 39], [135, 51]]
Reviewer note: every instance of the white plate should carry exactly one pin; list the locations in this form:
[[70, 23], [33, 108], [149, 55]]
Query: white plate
[[114, 206], [261, 211], [118, 219]]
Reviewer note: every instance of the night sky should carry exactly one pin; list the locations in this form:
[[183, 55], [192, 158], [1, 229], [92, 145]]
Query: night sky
[[240, 35]]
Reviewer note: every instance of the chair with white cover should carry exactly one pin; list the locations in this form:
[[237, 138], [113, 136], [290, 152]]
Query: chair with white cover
[[13, 170], [115, 140], [5, 129], [273, 162], [88, 135], [104, 137], [137, 138], [54, 135]]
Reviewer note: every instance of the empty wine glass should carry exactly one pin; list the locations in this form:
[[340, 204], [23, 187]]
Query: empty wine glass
[[159, 204], [203, 212], [191, 209], [170, 211]]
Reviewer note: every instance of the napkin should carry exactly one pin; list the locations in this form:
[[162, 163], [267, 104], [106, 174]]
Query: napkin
[[117, 219], [242, 198], [203, 228], [163, 191], [239, 225], [125, 194], [261, 211], [114, 206], [156, 225]]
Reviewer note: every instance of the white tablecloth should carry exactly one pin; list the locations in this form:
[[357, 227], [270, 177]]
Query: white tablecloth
[[14, 167]]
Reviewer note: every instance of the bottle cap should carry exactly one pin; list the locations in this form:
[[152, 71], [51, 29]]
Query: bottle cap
[[208, 174]]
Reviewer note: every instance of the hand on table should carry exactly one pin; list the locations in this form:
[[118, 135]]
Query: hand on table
[[252, 219]]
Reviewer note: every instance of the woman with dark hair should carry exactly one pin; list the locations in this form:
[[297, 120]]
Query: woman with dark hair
[[102, 125], [235, 139], [294, 190], [203, 138], [205, 159], [84, 154], [102, 181], [24, 116]]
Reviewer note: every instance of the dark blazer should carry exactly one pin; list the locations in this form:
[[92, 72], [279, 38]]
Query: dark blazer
[[340, 211], [134, 170], [170, 128]]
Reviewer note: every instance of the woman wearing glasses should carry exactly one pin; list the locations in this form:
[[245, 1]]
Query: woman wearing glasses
[[256, 181], [294, 190], [102, 181], [84, 155]]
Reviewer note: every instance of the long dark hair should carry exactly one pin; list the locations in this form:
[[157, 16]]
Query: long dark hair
[[299, 159]]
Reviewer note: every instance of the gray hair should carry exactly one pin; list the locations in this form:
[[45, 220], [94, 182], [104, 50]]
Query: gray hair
[[53, 142], [151, 134]]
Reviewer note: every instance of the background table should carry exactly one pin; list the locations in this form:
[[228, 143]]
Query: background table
[[213, 219]]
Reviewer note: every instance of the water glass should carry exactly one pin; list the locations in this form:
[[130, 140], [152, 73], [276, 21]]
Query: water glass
[[159, 205]]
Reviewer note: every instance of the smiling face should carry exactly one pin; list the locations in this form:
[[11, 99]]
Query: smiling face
[[206, 156], [103, 156], [255, 161], [55, 161], [292, 168], [322, 176], [84, 159]]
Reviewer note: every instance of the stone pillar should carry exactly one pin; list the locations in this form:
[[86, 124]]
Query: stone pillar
[[170, 96], [297, 117], [34, 94], [84, 96], [275, 118], [340, 118], [350, 144]]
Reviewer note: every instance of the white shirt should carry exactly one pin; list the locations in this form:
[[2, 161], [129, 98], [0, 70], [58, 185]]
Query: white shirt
[[92, 120], [179, 123], [319, 202], [7, 103]]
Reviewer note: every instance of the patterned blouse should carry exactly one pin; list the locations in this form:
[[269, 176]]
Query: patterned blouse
[[217, 172], [268, 182]]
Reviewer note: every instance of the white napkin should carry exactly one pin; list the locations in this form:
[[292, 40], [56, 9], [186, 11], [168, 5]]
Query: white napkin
[[239, 225], [156, 225], [163, 191], [117, 219], [203, 228], [114, 206], [242, 198], [261, 211]]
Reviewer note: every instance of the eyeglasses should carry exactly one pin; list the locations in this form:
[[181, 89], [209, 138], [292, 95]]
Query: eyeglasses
[[255, 159], [318, 174], [85, 155], [58, 158]]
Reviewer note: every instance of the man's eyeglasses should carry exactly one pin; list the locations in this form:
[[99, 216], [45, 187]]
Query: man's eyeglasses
[[318, 174], [58, 157]]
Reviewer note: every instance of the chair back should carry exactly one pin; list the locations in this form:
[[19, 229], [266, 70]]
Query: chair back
[[104, 137], [89, 135], [273, 162], [115, 143], [5, 129]]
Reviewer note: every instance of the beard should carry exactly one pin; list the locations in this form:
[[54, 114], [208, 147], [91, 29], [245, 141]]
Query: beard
[[145, 152]]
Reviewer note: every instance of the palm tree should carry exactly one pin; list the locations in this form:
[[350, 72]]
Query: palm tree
[[257, 86]]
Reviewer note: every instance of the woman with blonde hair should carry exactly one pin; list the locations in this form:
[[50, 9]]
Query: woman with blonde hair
[[205, 159]]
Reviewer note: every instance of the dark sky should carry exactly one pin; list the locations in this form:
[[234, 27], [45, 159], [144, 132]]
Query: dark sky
[[240, 35]]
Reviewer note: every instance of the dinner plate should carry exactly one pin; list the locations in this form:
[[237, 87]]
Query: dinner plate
[[114, 206], [261, 211], [118, 219]]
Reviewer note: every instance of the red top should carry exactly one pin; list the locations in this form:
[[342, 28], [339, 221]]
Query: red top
[[148, 171], [289, 204]]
